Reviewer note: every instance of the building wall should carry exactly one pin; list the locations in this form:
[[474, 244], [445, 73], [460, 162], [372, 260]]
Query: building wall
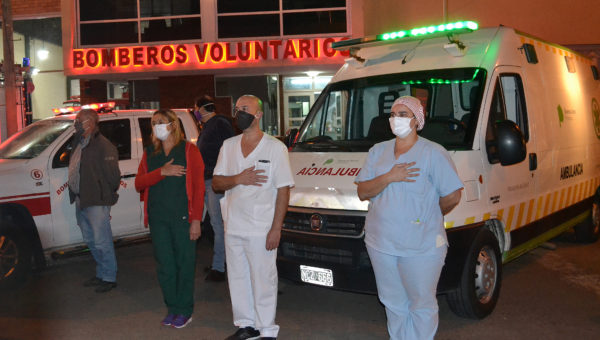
[[27, 8], [558, 21]]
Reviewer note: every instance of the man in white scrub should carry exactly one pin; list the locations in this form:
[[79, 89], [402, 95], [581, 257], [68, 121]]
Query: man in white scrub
[[254, 171]]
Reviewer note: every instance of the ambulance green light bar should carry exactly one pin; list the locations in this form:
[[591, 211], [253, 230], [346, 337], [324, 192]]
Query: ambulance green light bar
[[412, 34]]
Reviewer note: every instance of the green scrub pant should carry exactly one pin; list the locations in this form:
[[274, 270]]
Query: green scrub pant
[[175, 256]]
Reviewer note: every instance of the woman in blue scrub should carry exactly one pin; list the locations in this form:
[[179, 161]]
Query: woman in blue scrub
[[411, 183]]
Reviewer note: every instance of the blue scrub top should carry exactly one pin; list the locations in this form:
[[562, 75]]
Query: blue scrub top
[[405, 219]]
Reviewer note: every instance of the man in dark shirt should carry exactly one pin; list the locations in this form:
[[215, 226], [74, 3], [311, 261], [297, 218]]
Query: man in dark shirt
[[216, 128]]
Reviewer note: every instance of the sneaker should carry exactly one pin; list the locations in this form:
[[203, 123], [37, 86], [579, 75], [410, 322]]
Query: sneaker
[[246, 333], [215, 276], [105, 286], [168, 320], [181, 321], [94, 281]]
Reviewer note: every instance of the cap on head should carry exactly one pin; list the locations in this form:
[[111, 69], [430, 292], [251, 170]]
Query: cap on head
[[415, 106]]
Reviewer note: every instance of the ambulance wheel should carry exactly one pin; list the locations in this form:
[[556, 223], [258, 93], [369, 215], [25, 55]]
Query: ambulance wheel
[[15, 257], [479, 286], [589, 230]]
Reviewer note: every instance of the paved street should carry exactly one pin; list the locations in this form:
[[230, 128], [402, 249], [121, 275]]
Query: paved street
[[546, 294]]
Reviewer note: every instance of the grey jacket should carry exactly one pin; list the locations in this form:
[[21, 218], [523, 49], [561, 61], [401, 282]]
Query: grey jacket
[[99, 175]]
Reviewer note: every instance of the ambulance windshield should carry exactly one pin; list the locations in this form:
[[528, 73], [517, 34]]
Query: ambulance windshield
[[353, 115], [34, 139]]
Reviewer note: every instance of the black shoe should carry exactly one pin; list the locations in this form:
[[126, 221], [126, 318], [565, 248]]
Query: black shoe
[[207, 269], [94, 281], [105, 286], [246, 333], [215, 276]]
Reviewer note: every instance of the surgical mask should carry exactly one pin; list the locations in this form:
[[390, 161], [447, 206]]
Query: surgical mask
[[161, 132], [243, 120], [401, 126]]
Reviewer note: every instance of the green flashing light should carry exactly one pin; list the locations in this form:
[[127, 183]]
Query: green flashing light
[[422, 31], [412, 34]]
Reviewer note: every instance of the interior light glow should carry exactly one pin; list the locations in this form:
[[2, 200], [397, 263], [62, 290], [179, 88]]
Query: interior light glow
[[43, 54]]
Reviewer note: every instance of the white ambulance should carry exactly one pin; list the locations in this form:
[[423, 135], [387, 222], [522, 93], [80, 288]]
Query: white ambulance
[[520, 118], [36, 217]]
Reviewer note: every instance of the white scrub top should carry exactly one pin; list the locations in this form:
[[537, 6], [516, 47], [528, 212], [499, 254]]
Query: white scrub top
[[405, 219], [249, 209]]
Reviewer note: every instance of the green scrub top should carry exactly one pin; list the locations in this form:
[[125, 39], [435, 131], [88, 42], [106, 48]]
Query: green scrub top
[[167, 199]]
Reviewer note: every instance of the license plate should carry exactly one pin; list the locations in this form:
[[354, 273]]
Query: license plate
[[317, 276]]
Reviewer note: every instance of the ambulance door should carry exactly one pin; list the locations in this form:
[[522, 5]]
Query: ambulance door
[[510, 189]]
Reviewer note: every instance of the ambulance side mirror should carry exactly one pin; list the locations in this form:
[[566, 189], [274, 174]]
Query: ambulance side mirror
[[509, 143], [290, 137]]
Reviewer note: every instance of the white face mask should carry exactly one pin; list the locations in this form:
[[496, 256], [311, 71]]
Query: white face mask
[[400, 126], [161, 132]]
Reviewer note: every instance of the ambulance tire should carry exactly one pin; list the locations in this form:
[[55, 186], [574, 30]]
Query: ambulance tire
[[15, 256], [480, 282], [589, 230]]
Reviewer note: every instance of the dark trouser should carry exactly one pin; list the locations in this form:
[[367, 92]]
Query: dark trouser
[[175, 256]]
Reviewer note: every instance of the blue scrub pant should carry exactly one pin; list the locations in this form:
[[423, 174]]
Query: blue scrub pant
[[94, 223], [407, 287], [216, 220]]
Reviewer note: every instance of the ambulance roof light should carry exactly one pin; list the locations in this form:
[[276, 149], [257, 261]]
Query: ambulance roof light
[[411, 34]]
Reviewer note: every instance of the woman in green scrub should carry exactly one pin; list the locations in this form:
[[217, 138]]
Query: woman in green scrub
[[170, 176]]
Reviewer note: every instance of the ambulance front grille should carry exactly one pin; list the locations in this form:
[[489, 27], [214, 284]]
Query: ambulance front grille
[[315, 253], [332, 224]]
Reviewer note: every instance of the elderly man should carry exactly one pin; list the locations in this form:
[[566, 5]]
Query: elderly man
[[94, 179], [254, 171], [411, 183]]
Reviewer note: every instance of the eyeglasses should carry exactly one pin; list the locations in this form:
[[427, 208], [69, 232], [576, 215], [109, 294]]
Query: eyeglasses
[[402, 114]]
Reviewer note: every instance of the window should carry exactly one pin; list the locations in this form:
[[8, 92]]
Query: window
[[241, 18], [508, 103], [353, 115], [136, 21], [117, 131]]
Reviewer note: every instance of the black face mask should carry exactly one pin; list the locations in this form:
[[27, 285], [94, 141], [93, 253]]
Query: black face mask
[[243, 120]]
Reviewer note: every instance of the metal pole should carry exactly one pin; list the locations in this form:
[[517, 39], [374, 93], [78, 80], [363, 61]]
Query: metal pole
[[8, 68]]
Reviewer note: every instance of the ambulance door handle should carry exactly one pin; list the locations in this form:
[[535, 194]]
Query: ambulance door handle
[[532, 161]]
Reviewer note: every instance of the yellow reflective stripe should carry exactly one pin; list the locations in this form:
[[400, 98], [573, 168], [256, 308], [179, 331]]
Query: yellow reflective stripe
[[562, 199], [547, 205], [538, 211], [509, 220], [554, 201], [448, 224], [575, 193], [486, 216], [470, 220], [520, 215], [530, 211], [500, 213]]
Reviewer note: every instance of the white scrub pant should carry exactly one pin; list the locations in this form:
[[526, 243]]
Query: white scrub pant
[[252, 275], [407, 287]]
